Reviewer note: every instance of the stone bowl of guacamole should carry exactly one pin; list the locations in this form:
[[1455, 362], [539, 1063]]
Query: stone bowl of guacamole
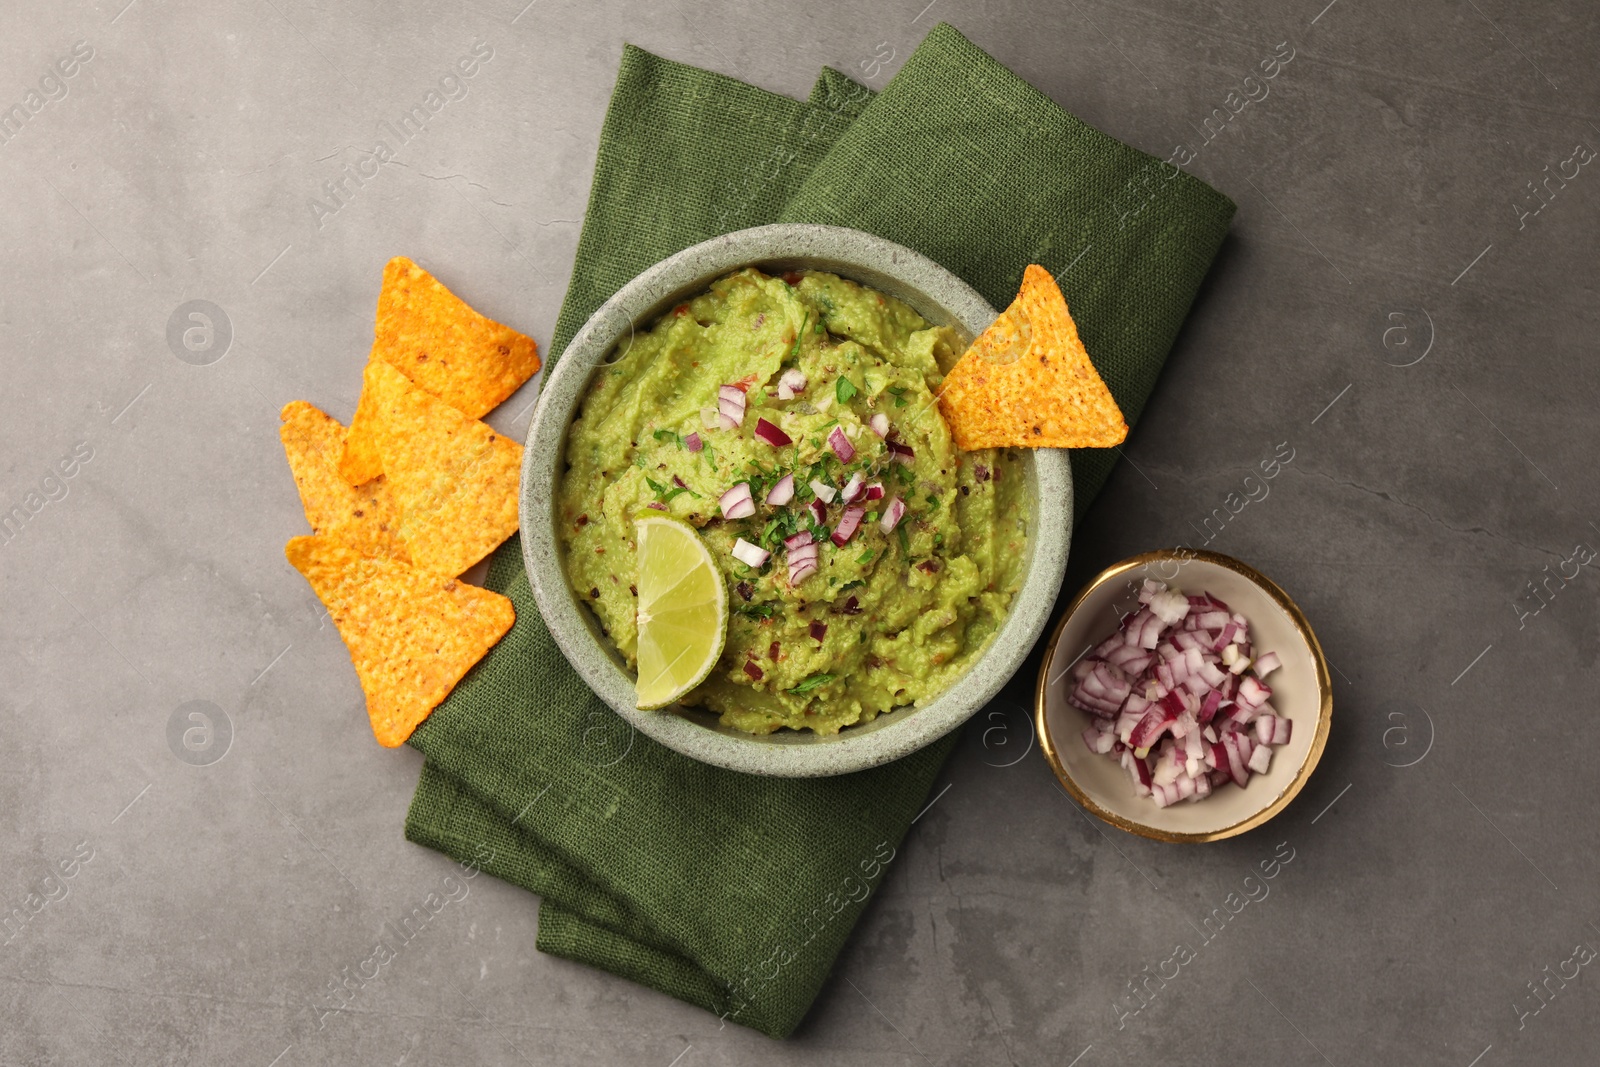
[[764, 386]]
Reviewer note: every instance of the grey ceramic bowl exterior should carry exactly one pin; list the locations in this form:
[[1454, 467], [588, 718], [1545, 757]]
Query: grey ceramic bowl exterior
[[938, 296]]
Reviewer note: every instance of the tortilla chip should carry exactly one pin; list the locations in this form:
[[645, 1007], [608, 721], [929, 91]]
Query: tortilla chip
[[444, 347], [453, 478], [361, 461], [1027, 381], [364, 517], [411, 633]]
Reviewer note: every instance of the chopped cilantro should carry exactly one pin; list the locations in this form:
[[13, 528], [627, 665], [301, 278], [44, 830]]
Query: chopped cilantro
[[794, 352], [851, 585], [899, 394], [844, 389], [655, 485], [755, 611], [669, 435], [865, 557], [938, 540], [933, 499], [816, 681], [679, 490], [905, 541]]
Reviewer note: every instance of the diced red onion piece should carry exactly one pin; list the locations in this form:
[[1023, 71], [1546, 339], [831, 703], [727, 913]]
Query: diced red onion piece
[[771, 434], [818, 630], [852, 488], [879, 424], [730, 405], [841, 445], [657, 505], [791, 383], [901, 454], [692, 442], [782, 491], [737, 503], [818, 512], [1266, 663], [874, 490], [1260, 759], [892, 514], [825, 492], [848, 524], [752, 670], [799, 540], [748, 554]]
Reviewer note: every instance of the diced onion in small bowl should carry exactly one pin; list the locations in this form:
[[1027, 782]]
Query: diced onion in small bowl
[[1176, 697]]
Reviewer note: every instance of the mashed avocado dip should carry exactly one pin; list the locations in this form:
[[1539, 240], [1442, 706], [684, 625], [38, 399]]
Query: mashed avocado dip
[[889, 617]]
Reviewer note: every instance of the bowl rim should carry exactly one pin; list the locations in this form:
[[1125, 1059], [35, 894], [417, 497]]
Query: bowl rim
[[892, 735], [1301, 624]]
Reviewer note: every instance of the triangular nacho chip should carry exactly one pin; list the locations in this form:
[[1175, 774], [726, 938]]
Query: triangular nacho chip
[[453, 478], [363, 516], [1027, 381], [411, 633], [444, 347]]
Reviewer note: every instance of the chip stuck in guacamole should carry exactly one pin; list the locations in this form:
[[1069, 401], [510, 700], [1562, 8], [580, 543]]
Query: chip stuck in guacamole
[[793, 423]]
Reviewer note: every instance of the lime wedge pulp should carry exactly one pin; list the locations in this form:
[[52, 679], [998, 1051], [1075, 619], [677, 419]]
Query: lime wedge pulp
[[683, 611]]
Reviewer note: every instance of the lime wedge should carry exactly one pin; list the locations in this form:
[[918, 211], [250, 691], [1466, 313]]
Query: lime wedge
[[683, 611]]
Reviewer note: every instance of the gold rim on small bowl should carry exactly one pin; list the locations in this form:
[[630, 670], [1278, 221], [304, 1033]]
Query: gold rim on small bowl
[[1306, 698]]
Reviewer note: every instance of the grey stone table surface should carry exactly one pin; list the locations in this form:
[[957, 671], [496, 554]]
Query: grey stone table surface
[[1406, 304]]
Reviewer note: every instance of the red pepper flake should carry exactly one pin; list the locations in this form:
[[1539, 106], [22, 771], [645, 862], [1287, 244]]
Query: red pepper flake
[[681, 309], [583, 520], [772, 652], [929, 566], [752, 670], [792, 277]]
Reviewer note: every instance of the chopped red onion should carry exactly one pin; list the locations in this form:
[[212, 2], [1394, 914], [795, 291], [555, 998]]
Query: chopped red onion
[[879, 424], [656, 504], [818, 630], [849, 522], [892, 513], [752, 670], [841, 445], [901, 454], [748, 554], [730, 406], [737, 503], [818, 512], [853, 487], [692, 442], [782, 491], [874, 490], [825, 493], [791, 383], [799, 540], [1176, 691], [771, 434], [802, 563]]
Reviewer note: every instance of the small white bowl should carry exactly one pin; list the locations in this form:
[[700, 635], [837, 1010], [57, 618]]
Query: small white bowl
[[1300, 690]]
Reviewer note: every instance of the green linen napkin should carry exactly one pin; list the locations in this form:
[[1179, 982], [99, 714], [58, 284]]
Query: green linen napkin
[[731, 891]]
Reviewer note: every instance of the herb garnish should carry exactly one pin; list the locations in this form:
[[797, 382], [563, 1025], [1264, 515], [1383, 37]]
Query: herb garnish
[[816, 681]]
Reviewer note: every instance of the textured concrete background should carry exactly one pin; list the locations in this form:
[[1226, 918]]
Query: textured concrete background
[[1390, 304]]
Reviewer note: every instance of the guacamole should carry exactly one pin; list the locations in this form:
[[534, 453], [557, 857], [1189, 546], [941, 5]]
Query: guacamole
[[889, 617]]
